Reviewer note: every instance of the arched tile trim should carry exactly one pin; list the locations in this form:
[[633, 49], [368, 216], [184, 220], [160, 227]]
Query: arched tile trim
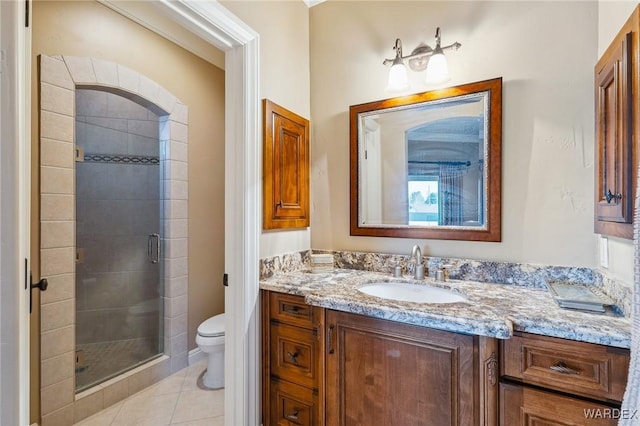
[[59, 78]]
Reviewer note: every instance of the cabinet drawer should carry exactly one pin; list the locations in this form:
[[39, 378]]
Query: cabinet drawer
[[293, 405], [523, 406], [290, 309], [294, 354], [575, 367]]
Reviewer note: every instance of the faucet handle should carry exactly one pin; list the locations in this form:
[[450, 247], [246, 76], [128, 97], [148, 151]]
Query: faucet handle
[[397, 271], [446, 269]]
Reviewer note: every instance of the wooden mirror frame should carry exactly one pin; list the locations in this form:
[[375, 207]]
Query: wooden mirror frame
[[492, 232]]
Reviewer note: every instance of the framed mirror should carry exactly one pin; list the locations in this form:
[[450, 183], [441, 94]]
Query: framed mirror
[[429, 165]]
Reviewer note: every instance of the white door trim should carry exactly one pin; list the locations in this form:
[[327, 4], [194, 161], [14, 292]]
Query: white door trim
[[215, 24], [15, 181]]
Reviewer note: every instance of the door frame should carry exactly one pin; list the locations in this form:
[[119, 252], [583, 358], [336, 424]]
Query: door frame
[[15, 222], [240, 43]]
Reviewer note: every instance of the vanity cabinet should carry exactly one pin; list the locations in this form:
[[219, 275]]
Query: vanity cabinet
[[335, 368], [552, 381], [324, 367], [293, 361], [388, 373], [617, 132]]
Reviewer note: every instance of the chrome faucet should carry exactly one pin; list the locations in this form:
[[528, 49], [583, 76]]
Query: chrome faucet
[[416, 254]]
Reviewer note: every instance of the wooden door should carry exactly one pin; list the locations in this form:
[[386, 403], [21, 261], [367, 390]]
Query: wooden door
[[387, 373], [286, 168]]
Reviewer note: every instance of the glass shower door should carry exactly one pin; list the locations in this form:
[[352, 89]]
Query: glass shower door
[[118, 259]]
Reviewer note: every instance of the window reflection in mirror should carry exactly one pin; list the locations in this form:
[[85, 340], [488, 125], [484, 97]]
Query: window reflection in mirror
[[428, 165]]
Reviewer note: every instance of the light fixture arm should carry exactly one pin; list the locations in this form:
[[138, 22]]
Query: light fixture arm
[[422, 51], [437, 38]]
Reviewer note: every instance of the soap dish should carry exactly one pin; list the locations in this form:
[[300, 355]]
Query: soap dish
[[574, 295]]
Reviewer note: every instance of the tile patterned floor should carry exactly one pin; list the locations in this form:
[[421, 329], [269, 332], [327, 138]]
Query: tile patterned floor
[[176, 400]]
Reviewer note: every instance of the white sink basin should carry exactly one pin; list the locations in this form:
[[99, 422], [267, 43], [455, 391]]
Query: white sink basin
[[417, 293]]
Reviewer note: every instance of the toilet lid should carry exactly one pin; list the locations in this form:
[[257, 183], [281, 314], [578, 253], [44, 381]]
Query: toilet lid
[[213, 327]]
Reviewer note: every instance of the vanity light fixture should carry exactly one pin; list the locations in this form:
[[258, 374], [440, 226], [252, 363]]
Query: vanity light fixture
[[421, 58]]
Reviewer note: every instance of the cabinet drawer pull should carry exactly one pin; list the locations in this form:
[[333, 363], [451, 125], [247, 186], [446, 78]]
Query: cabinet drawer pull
[[293, 416], [330, 339], [291, 309], [293, 357], [609, 196], [561, 367]]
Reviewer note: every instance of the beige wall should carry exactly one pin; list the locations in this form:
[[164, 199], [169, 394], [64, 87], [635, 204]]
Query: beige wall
[[90, 29], [611, 16], [284, 78], [545, 52]]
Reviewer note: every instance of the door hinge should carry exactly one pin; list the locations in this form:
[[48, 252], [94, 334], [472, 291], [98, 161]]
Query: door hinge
[[3, 60], [79, 153], [225, 280], [26, 13]]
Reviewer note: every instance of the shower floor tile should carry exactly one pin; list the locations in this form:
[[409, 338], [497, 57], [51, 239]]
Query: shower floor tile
[[105, 360], [176, 400]]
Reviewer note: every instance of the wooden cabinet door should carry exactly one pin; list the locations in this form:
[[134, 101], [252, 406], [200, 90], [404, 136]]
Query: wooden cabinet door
[[616, 128], [523, 406], [286, 168], [387, 373]]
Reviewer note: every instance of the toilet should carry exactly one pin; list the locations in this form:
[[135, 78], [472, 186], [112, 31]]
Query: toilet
[[210, 340]]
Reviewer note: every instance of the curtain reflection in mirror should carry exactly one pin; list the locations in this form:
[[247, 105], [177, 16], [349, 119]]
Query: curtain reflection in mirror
[[450, 177]]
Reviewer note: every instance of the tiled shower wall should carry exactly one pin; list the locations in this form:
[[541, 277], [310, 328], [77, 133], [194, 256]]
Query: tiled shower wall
[[59, 78], [117, 208]]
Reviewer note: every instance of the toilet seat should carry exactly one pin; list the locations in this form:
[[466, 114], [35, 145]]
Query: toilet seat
[[213, 327]]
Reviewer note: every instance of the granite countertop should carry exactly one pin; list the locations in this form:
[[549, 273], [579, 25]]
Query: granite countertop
[[493, 310]]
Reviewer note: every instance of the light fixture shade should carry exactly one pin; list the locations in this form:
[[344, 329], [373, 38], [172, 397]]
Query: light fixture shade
[[398, 78], [437, 69]]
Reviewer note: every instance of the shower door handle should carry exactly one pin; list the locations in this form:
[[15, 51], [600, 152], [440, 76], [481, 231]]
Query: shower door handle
[[153, 242]]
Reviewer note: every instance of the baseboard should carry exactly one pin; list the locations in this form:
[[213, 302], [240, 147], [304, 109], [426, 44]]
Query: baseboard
[[196, 355]]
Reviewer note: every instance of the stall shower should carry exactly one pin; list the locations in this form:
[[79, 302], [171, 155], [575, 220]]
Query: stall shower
[[114, 223], [118, 259]]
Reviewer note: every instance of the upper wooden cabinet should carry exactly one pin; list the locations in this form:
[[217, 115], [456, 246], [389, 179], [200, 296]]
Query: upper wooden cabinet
[[617, 132], [286, 168]]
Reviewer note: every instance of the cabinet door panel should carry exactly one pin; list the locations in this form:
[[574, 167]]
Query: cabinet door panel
[[617, 131], [286, 168], [613, 132], [386, 373]]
